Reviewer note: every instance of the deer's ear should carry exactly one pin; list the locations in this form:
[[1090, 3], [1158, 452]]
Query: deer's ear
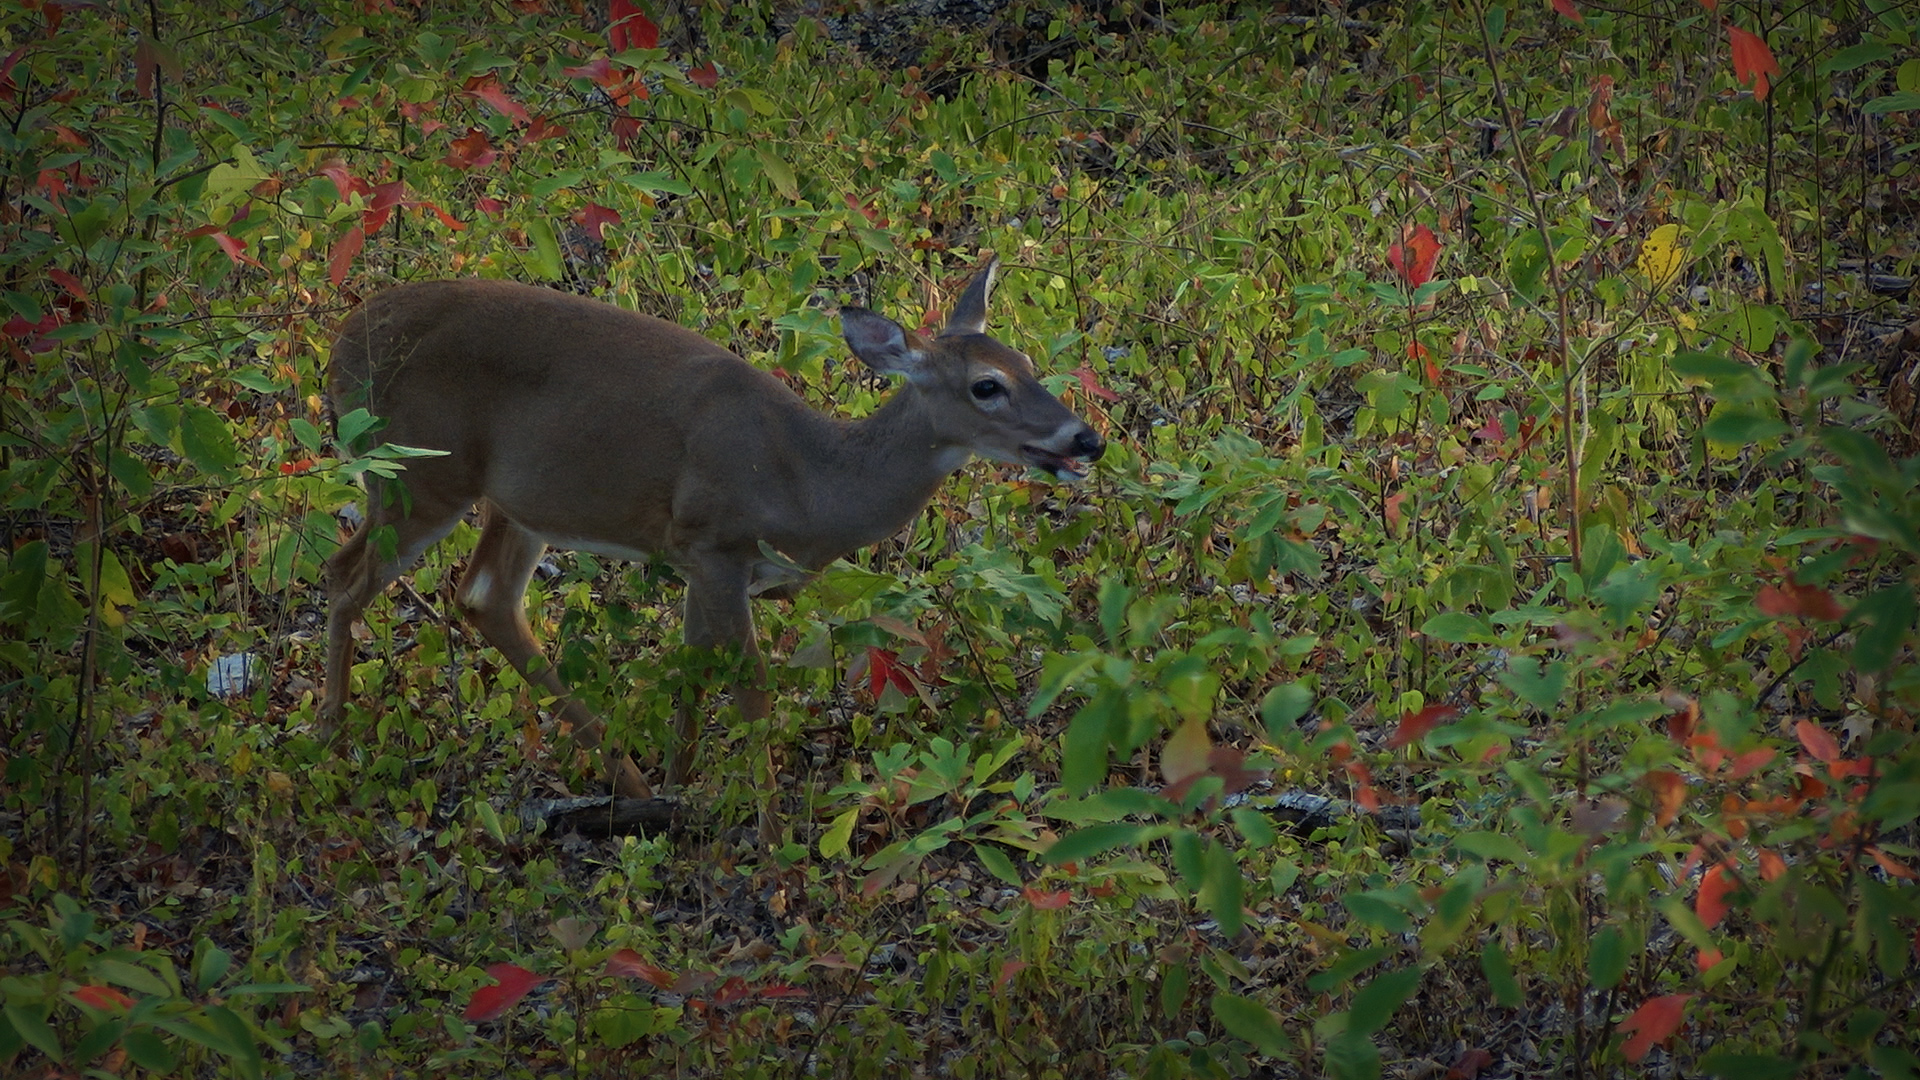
[[880, 342], [970, 313]]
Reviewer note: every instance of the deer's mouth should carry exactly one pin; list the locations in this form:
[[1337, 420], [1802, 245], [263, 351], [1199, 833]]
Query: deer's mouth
[[1066, 469]]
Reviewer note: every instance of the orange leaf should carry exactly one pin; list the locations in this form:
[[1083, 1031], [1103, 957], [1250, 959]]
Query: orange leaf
[[1819, 744], [104, 998], [1711, 904], [1393, 503], [1414, 257], [1045, 901], [1771, 866], [1566, 8], [345, 250], [1414, 726], [1669, 794], [1807, 601], [236, 249], [491, 1002], [1090, 383], [1705, 959], [1007, 971], [1890, 864], [1653, 1022], [1753, 62], [628, 963]]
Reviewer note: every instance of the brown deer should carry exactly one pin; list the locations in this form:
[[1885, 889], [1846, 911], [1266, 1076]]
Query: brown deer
[[576, 424]]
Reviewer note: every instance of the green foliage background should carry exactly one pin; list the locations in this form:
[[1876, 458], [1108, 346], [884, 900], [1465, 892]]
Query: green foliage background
[[1579, 571]]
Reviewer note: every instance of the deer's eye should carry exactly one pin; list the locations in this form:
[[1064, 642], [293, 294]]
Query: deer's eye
[[984, 389]]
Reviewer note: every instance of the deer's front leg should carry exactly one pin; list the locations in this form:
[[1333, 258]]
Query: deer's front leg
[[720, 638]]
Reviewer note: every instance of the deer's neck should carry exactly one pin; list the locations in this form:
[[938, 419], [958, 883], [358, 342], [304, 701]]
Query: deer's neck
[[884, 469]]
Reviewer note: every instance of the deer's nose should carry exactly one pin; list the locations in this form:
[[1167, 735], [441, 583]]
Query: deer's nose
[[1088, 444]]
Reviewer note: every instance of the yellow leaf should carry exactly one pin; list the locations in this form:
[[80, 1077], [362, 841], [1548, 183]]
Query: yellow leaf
[[1662, 255]]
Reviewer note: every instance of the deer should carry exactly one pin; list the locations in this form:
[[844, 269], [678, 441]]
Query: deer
[[576, 424]]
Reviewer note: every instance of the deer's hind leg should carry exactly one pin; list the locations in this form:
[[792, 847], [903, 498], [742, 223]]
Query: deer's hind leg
[[390, 539], [493, 596]]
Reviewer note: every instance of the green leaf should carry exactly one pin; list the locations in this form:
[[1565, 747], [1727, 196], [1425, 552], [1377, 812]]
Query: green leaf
[[1499, 972], [1094, 839], [1539, 684], [148, 1051], [1376, 1002], [1247, 1019], [1222, 888], [558, 181], [207, 441], [1716, 369], [1487, 846], [1740, 428], [546, 248], [833, 842], [1855, 56], [1458, 628], [31, 1025], [778, 173], [1748, 1066], [1904, 101], [1282, 709], [997, 863], [1083, 749], [1607, 958]]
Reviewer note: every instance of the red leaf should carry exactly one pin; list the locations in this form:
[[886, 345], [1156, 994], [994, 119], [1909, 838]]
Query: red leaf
[[1045, 901], [7, 87], [68, 282], [345, 250], [1468, 1065], [471, 151], [1711, 904], [487, 88], [705, 76], [1413, 259], [629, 29], [1492, 431], [1820, 745], [595, 218], [491, 1002], [1753, 62], [289, 468], [734, 989], [1566, 8], [1705, 959], [625, 130], [235, 249], [628, 963], [1414, 726], [335, 169], [104, 998], [1745, 765], [543, 128], [145, 59], [780, 990], [1656, 1021], [487, 204], [1007, 971], [1090, 383], [599, 69], [884, 667]]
